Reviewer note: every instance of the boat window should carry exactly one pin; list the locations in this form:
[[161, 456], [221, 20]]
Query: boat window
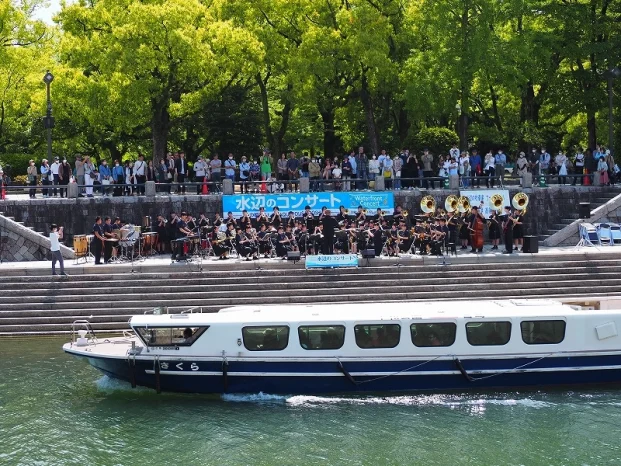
[[488, 333], [270, 338], [543, 332], [377, 335], [170, 336], [321, 337], [433, 334]]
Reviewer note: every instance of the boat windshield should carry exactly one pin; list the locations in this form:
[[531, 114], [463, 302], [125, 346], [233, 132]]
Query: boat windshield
[[170, 336]]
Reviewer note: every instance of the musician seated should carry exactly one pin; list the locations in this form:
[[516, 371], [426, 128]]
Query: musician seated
[[404, 242], [265, 246], [291, 237], [182, 233], [244, 245], [283, 244]]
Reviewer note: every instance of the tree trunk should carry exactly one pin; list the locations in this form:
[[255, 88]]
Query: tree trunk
[[591, 128], [372, 132], [329, 138], [159, 130]]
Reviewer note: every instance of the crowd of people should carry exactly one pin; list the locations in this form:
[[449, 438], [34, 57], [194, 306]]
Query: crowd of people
[[353, 171], [272, 236]]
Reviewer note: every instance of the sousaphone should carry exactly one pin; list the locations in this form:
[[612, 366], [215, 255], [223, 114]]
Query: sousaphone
[[428, 204], [451, 204], [520, 201], [497, 202]]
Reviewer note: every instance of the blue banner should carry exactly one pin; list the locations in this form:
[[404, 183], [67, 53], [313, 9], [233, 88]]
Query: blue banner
[[297, 202], [332, 261]]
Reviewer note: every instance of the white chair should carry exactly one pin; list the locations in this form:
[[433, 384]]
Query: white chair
[[604, 234], [615, 233]]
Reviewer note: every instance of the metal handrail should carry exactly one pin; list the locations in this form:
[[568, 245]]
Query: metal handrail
[[88, 327]]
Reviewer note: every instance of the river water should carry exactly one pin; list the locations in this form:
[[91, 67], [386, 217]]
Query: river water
[[56, 410]]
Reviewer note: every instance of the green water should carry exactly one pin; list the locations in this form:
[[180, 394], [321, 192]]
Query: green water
[[56, 410]]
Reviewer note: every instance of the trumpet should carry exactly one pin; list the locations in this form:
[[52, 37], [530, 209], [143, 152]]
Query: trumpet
[[346, 211], [383, 213], [405, 213], [364, 211]]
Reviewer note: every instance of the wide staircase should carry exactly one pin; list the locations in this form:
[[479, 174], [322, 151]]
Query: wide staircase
[[34, 304]]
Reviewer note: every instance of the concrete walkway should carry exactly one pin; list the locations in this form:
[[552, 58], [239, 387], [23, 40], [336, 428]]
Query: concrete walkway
[[163, 263]]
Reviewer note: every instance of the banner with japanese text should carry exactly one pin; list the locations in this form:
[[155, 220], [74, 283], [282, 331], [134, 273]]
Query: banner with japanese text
[[332, 261], [477, 196], [296, 203]]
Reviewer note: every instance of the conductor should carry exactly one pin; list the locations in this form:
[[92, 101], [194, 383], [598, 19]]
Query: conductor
[[329, 226]]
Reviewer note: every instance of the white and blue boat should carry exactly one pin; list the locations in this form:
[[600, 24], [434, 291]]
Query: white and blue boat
[[357, 348]]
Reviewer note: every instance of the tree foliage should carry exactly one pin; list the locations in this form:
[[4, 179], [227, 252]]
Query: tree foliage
[[239, 75]]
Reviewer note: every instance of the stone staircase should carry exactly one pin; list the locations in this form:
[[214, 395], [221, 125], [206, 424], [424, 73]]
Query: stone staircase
[[35, 303], [569, 217]]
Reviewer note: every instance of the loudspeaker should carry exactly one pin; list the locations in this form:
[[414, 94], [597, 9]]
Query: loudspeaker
[[294, 255], [531, 244], [584, 210], [368, 253]]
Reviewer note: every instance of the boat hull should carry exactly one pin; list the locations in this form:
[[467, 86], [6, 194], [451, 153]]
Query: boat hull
[[360, 376]]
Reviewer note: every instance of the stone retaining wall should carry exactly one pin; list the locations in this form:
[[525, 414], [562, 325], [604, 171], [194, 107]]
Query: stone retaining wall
[[547, 207], [20, 243]]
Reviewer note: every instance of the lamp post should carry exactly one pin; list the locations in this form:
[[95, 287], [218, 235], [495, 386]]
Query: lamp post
[[48, 120], [459, 127], [611, 74]]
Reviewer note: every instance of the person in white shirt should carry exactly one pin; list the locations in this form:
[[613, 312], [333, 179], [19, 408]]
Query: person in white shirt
[[45, 177], [140, 173], [374, 167], [56, 235], [200, 171], [490, 169], [55, 178], [89, 172], [561, 166], [578, 167]]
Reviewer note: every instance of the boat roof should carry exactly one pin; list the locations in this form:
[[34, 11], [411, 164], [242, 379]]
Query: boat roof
[[356, 312]]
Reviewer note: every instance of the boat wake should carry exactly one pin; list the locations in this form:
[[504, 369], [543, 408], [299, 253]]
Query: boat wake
[[109, 385], [450, 401]]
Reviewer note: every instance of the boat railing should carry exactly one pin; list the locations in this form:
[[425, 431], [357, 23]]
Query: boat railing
[[198, 309], [158, 310], [85, 324]]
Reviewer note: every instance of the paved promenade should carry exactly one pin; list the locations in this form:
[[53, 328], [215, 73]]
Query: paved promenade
[[162, 262]]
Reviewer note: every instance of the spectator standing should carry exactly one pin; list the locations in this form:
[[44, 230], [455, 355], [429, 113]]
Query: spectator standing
[[544, 162], [200, 172], [216, 172], [255, 173], [578, 166], [454, 152], [55, 179], [611, 164], [162, 175], [45, 177], [181, 170], [32, 178], [266, 166], [500, 160], [304, 161], [140, 173], [151, 172], [129, 178], [170, 178], [490, 169], [314, 172], [561, 165], [229, 168], [90, 173], [374, 167], [293, 167], [427, 161], [388, 171], [105, 177], [80, 175], [118, 176], [476, 167], [602, 168], [56, 235], [521, 166], [354, 170], [244, 174], [397, 168], [64, 176], [362, 168], [346, 173]]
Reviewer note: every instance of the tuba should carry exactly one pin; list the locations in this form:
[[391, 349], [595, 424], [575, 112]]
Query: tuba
[[463, 204], [496, 202], [451, 203], [520, 201], [428, 204]]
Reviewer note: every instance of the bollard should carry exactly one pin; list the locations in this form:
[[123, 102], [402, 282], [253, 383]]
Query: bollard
[[597, 178], [149, 189], [527, 180], [304, 184], [72, 190], [379, 183], [453, 182], [227, 186]]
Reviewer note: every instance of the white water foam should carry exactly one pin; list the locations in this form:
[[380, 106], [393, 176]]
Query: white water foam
[[108, 384], [450, 401]]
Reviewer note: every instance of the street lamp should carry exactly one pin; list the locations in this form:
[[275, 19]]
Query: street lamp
[[459, 126], [48, 120], [611, 74]]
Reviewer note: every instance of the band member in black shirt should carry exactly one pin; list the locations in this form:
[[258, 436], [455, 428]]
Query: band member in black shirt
[[361, 216], [244, 221], [263, 236], [108, 233], [245, 244], [230, 219], [291, 220], [508, 222], [182, 232], [217, 221], [342, 217], [98, 240], [308, 218], [276, 219], [377, 237], [403, 238], [329, 226], [283, 243], [262, 218]]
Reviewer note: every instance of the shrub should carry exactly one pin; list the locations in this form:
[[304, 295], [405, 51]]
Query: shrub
[[436, 139], [18, 163]]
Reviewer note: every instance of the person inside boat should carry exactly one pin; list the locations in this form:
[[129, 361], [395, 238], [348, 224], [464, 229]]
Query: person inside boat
[[187, 335], [434, 340]]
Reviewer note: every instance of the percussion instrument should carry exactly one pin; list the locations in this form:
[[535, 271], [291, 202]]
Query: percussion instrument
[[149, 241], [80, 245], [137, 229], [222, 228], [146, 223]]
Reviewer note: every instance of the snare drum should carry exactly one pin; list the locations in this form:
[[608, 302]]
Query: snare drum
[[80, 245], [137, 229]]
